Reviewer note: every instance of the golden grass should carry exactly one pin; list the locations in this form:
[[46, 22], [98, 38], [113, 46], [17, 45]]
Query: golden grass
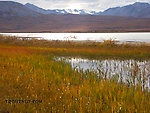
[[90, 49], [27, 73]]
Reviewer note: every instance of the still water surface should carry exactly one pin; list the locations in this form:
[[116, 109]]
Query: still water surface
[[140, 37], [126, 71]]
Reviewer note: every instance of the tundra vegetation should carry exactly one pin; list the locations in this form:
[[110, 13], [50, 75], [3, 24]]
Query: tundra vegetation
[[28, 71]]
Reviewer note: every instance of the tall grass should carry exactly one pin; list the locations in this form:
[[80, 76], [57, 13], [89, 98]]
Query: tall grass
[[27, 73]]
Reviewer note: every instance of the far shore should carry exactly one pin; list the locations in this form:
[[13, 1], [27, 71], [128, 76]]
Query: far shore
[[97, 31]]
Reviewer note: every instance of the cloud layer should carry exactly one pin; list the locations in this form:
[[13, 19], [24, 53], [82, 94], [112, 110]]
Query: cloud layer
[[98, 5]]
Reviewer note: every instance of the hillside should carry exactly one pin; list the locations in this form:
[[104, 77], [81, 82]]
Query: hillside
[[8, 8], [138, 9], [73, 23]]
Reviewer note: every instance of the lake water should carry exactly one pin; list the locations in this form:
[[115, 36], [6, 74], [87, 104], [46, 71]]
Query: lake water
[[139, 37], [126, 71]]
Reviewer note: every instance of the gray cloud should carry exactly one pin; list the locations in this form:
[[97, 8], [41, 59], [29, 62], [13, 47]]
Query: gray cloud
[[98, 5]]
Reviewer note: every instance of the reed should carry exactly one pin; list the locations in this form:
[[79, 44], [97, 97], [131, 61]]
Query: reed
[[30, 73]]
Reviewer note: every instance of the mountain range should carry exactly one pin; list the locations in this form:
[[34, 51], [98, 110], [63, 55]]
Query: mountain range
[[59, 11], [16, 17], [9, 8], [137, 9]]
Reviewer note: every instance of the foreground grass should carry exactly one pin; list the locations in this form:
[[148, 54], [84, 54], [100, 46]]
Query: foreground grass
[[32, 74]]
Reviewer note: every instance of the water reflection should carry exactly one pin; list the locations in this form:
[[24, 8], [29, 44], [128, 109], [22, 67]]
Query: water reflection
[[127, 71]]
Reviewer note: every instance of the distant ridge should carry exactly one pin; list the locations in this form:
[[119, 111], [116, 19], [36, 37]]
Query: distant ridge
[[39, 10], [138, 9], [9, 8], [60, 11]]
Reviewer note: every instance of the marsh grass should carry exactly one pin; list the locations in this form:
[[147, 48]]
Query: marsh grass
[[29, 73], [90, 49], [130, 71]]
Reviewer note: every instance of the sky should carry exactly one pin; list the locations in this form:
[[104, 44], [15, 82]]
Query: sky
[[97, 5]]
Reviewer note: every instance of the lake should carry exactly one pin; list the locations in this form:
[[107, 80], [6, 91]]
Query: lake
[[123, 37], [127, 71]]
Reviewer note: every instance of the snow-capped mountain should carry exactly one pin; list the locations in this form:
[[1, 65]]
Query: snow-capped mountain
[[138, 9], [75, 11], [80, 11], [60, 11]]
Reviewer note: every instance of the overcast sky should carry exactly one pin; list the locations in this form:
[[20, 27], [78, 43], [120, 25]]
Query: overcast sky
[[98, 5]]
